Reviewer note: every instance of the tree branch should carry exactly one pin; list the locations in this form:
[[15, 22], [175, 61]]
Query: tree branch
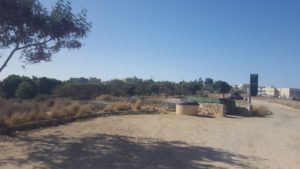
[[8, 58], [34, 44], [20, 48]]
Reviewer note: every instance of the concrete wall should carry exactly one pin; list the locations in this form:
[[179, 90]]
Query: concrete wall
[[212, 109]]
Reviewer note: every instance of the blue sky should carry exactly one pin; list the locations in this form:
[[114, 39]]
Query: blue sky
[[182, 40]]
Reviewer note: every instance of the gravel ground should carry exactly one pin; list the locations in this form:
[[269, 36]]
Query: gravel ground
[[161, 141]]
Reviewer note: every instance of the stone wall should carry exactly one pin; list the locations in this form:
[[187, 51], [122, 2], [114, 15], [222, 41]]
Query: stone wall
[[212, 109]]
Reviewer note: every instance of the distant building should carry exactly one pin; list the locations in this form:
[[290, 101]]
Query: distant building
[[261, 91], [289, 93], [243, 87], [271, 91], [94, 80]]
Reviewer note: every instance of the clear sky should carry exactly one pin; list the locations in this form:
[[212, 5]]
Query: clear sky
[[182, 40]]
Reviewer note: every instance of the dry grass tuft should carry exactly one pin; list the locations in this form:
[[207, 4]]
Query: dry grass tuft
[[121, 106], [105, 98], [261, 111], [73, 109], [20, 118], [85, 109], [137, 105]]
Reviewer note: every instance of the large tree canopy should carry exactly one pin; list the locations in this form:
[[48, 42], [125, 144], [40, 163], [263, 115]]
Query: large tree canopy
[[221, 87], [28, 27]]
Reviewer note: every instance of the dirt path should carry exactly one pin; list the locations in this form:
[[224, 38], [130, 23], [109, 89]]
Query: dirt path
[[161, 141]]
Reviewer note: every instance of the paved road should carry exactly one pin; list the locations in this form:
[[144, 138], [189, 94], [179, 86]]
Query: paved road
[[161, 141]]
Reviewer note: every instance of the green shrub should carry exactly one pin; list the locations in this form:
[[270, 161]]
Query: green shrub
[[10, 85]]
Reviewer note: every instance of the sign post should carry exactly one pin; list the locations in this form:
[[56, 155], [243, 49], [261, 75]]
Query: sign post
[[253, 89], [249, 100]]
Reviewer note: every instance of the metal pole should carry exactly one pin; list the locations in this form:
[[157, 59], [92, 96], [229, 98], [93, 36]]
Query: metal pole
[[249, 101]]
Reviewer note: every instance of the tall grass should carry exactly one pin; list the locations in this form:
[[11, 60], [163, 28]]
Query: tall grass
[[14, 112], [18, 111]]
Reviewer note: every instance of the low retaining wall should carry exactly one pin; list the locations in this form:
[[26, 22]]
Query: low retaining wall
[[212, 109], [186, 109]]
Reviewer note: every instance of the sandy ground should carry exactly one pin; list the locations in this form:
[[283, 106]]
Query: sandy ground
[[161, 141]]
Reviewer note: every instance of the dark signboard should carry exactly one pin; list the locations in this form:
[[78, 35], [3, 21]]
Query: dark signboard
[[253, 84]]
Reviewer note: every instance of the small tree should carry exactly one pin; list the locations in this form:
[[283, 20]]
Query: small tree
[[26, 90], [208, 83], [28, 27]]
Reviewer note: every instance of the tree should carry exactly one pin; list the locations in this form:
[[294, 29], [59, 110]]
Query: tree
[[84, 91], [26, 26], [26, 90], [46, 85], [208, 83], [221, 87], [10, 85]]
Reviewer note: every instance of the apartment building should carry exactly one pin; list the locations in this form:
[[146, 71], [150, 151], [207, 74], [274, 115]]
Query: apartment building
[[289, 93]]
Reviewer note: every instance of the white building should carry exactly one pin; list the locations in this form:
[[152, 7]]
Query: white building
[[289, 93], [271, 91]]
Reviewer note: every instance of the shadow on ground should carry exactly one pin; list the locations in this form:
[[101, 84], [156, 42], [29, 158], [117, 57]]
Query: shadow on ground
[[108, 151]]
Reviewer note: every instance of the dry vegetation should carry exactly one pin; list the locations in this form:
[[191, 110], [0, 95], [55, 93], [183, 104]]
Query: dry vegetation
[[257, 110], [121, 106], [110, 98], [286, 102], [290, 103], [261, 111], [16, 111], [20, 111]]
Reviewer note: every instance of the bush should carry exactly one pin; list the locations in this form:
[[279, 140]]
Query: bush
[[105, 98], [117, 107], [261, 111]]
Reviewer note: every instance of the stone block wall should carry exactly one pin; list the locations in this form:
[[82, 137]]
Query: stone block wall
[[212, 109]]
